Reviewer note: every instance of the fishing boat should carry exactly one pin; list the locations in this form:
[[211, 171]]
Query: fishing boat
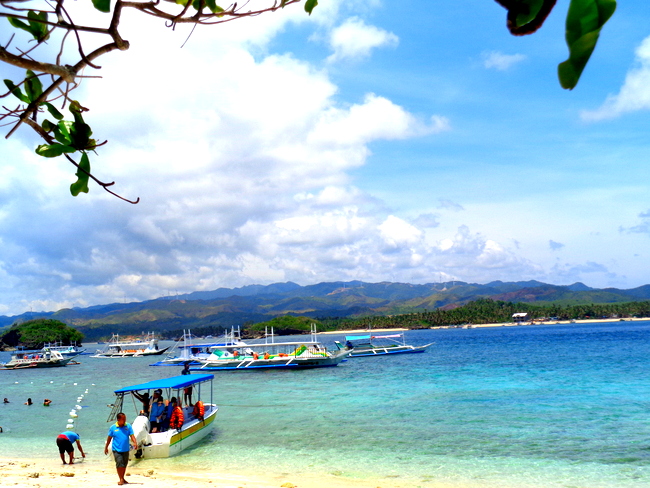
[[172, 441], [36, 359], [272, 355], [67, 351], [189, 351], [378, 345], [116, 348]]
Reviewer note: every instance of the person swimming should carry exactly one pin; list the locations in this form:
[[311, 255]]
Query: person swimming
[[28, 402]]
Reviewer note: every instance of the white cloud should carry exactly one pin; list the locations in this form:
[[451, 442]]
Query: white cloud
[[500, 61], [355, 39], [634, 94]]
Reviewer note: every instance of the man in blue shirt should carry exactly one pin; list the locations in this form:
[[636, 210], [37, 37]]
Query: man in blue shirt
[[120, 434], [64, 443]]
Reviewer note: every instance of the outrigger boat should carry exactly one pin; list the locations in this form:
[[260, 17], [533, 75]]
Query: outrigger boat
[[378, 345], [188, 350], [72, 350], [36, 359], [272, 355], [172, 441], [148, 346]]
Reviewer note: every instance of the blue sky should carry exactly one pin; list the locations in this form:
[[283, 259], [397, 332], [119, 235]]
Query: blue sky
[[364, 142]]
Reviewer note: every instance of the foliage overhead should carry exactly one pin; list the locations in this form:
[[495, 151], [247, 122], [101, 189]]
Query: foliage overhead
[[34, 334], [56, 22]]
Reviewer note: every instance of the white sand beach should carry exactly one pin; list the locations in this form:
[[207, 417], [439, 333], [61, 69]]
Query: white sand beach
[[101, 473]]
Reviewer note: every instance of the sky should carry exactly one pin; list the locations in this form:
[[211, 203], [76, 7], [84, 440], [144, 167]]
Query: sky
[[364, 142]]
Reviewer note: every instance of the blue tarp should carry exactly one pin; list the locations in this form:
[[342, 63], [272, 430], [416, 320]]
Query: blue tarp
[[357, 338], [181, 381]]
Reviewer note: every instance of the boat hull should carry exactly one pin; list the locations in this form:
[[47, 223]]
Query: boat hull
[[172, 442], [126, 354], [24, 364], [383, 351], [249, 364]]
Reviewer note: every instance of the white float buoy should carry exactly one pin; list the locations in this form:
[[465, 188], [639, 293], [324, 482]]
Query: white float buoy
[[69, 426], [15, 382], [70, 421], [74, 415], [51, 381], [75, 384], [78, 407]]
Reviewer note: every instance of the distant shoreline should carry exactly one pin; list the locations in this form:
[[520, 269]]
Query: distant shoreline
[[499, 324]]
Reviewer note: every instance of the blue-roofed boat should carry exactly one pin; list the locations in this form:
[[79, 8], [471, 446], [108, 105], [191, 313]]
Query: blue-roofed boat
[[172, 441], [305, 354], [378, 345], [190, 351]]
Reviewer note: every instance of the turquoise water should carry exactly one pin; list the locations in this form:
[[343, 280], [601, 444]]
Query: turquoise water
[[551, 406]]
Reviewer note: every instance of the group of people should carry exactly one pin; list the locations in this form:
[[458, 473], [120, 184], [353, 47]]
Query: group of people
[[164, 415]]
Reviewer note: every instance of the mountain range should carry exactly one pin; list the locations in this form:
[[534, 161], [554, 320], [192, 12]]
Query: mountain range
[[225, 307]]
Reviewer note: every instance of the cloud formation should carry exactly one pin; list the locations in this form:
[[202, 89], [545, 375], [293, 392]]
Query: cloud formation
[[634, 94], [500, 61], [354, 39]]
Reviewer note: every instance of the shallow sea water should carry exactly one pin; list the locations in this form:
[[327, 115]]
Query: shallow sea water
[[543, 406]]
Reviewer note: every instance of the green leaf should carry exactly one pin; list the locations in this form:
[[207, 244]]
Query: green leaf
[[53, 111], [53, 150], [33, 86], [534, 6], [310, 5], [47, 125], [212, 5], [62, 132], [38, 26], [80, 135], [584, 21], [19, 24], [102, 5], [81, 185], [16, 91]]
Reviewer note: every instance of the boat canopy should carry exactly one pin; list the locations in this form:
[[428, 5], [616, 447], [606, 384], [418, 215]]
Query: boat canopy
[[357, 338], [175, 382]]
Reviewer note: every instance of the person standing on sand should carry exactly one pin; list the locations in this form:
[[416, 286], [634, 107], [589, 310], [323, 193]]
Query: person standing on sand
[[121, 434], [64, 442]]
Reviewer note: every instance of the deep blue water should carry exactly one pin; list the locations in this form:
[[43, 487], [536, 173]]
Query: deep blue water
[[562, 405]]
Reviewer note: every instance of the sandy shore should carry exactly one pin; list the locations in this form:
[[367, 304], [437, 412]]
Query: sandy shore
[[50, 473]]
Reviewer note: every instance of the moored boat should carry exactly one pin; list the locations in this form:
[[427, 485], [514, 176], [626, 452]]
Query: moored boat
[[36, 359], [189, 351], [174, 440], [272, 355], [379, 345], [116, 348], [67, 351]]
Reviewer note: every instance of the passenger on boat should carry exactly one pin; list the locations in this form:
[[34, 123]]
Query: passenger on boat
[[235, 354], [186, 368], [199, 410], [64, 442], [167, 415], [267, 355], [144, 398], [177, 418], [157, 414]]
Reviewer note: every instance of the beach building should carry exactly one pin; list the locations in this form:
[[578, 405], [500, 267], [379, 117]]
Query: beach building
[[520, 317]]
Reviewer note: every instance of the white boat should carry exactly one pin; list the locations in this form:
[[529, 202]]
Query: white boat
[[173, 441], [147, 346], [189, 350], [379, 345], [272, 355], [36, 359], [72, 350]]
